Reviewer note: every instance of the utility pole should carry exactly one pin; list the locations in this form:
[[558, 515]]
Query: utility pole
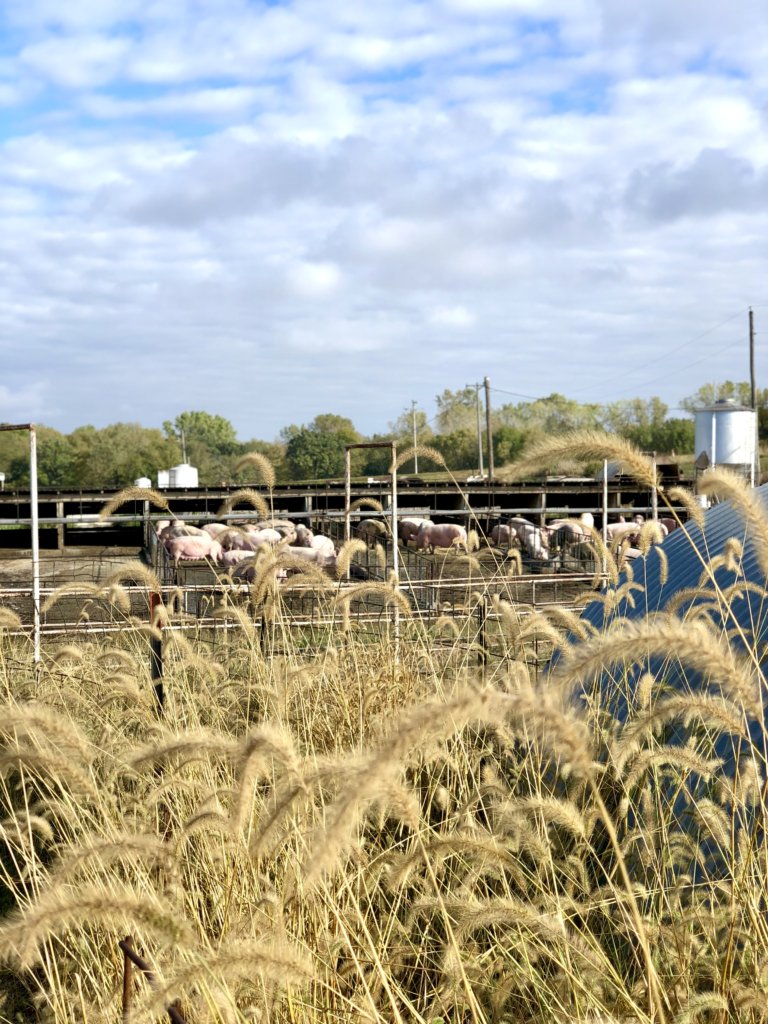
[[487, 382], [752, 392], [479, 433], [415, 455]]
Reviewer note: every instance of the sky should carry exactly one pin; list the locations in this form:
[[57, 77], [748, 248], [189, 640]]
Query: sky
[[273, 210]]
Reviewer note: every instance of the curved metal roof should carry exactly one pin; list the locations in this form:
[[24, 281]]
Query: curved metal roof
[[687, 552]]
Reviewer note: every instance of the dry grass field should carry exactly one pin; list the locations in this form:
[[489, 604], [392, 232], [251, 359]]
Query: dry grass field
[[387, 829]]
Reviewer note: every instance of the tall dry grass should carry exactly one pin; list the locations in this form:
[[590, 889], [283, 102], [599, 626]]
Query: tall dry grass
[[411, 828]]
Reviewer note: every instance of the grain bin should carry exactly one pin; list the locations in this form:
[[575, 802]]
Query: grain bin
[[726, 434], [142, 481], [183, 475]]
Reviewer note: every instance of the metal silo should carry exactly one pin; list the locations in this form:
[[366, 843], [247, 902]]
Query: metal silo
[[726, 434]]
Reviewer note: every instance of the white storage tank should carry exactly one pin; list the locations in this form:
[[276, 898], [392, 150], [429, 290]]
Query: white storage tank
[[163, 478], [142, 481], [183, 475], [727, 434]]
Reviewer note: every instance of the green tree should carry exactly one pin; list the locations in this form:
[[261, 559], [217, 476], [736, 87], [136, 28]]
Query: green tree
[[508, 443], [312, 454], [55, 461], [554, 414], [376, 461], [339, 426], [317, 451], [274, 451], [637, 419], [118, 454], [726, 390], [215, 432], [457, 410], [402, 428], [736, 391], [675, 435], [459, 448], [14, 457], [210, 441]]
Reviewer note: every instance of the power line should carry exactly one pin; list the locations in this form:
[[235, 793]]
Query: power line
[[672, 351], [516, 394], [696, 362]]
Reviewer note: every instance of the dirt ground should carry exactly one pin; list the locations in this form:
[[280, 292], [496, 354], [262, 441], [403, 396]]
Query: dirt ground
[[56, 570]]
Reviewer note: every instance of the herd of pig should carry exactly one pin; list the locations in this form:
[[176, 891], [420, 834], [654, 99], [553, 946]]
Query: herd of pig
[[541, 543], [536, 542], [235, 547], [230, 546]]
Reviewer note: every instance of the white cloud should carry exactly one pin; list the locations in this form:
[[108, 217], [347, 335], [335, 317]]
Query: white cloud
[[75, 62], [24, 403], [452, 316], [354, 205], [314, 280]]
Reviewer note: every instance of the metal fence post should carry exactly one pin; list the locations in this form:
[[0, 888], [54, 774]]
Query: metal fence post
[[127, 980], [156, 655]]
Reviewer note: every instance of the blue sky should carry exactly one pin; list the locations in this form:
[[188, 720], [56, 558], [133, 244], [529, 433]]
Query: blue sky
[[270, 211]]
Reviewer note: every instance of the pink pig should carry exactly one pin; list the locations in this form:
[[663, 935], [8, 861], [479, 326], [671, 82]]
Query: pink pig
[[440, 535], [192, 548]]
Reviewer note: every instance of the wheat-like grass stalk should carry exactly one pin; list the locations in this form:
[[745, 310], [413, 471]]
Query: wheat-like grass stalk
[[386, 593], [23, 826], [715, 711], [728, 485], [514, 556], [449, 624], [425, 451], [650, 533], [368, 778], [557, 811], [80, 588], [66, 653], [124, 659], [692, 643], [347, 551], [65, 909], [247, 496], [661, 554], [9, 619], [38, 722], [261, 463], [682, 496], [587, 445], [133, 494], [189, 746], [550, 927], [260, 752], [269, 962], [481, 848], [680, 757], [56, 768], [136, 572], [366, 503], [699, 1003], [124, 848]]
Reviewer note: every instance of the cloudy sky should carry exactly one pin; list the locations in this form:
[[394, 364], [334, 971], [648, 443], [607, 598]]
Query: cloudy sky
[[273, 210]]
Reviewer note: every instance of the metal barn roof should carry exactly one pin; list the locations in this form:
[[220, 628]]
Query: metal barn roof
[[687, 551]]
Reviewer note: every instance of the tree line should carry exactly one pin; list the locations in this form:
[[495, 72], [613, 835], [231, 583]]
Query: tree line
[[113, 457]]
